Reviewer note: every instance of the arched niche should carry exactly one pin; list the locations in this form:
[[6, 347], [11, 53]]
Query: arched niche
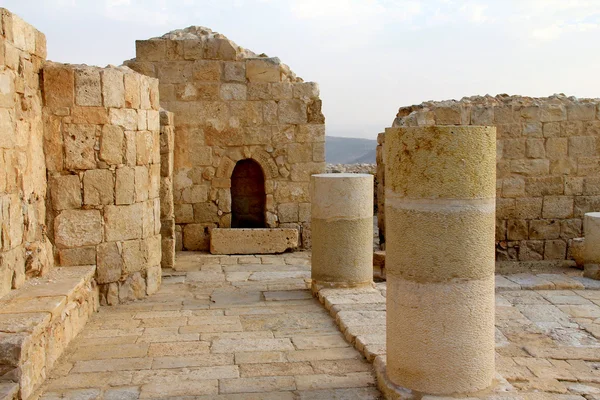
[[248, 197]]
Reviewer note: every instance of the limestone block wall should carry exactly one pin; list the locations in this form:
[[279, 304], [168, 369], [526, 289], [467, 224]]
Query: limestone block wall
[[102, 145], [167, 210], [548, 166], [24, 248], [231, 105]]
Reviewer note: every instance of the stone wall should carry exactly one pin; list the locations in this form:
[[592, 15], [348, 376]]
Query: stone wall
[[548, 166], [167, 210], [103, 162], [230, 105], [24, 248]]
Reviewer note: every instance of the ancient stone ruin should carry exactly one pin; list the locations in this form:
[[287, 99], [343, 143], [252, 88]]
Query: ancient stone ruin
[[248, 135], [547, 165], [203, 150]]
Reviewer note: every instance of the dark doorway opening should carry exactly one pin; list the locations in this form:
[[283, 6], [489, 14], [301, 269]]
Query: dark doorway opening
[[248, 195]]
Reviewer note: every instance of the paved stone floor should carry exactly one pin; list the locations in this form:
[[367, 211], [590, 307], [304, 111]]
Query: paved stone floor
[[247, 328], [220, 328]]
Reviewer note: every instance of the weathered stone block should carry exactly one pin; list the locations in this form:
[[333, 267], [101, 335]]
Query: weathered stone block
[[193, 49], [288, 212], [234, 71], [111, 144], [299, 152], [517, 229], [131, 86], [150, 50], [314, 113], [87, 115], [306, 91], [217, 48], [252, 241], [233, 91], [123, 222], [125, 185], [134, 255], [292, 112], [196, 237], [206, 212], [544, 229], [88, 91], [77, 228], [555, 249], [65, 192], [531, 250], [310, 133], [109, 262], [79, 142], [263, 69], [556, 148], [77, 256], [113, 88], [59, 85], [558, 207], [98, 187], [526, 207], [142, 183], [184, 213], [581, 112], [553, 113], [124, 117], [582, 146]]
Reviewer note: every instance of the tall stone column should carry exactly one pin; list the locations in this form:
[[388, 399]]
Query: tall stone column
[[342, 230], [591, 245], [440, 219]]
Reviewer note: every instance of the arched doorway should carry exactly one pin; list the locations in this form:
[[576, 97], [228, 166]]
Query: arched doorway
[[248, 195]]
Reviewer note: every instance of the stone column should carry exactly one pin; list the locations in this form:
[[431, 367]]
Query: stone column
[[342, 230], [440, 219], [591, 245]]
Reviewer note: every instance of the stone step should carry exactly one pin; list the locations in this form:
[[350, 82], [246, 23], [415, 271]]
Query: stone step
[[38, 320], [9, 391]]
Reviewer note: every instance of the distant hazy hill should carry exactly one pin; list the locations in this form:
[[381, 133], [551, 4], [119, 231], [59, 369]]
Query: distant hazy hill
[[340, 150]]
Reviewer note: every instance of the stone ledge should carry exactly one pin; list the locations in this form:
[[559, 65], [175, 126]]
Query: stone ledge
[[253, 241], [38, 321]]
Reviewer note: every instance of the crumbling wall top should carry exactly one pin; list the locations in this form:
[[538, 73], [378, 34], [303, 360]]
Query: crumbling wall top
[[201, 43], [487, 101]]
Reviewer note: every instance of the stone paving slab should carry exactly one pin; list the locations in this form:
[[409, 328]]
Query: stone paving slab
[[547, 335], [226, 327]]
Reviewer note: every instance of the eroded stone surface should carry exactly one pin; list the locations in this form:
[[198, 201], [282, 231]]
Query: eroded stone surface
[[253, 241], [202, 334]]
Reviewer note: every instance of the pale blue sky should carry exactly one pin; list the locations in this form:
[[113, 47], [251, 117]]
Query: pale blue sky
[[369, 56]]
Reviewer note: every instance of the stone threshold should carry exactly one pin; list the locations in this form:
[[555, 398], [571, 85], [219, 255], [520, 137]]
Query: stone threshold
[[37, 322]]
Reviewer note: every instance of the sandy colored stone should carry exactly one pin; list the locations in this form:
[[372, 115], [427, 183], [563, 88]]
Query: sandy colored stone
[[76, 228], [65, 191], [252, 241], [123, 222], [87, 87], [98, 187]]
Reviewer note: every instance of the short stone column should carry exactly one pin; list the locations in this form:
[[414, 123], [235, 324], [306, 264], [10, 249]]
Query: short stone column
[[440, 220], [591, 245], [342, 230]]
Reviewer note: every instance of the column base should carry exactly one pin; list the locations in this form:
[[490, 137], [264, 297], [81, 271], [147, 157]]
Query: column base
[[315, 286], [392, 391]]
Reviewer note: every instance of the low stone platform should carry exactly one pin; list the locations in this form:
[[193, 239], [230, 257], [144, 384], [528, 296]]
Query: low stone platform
[[253, 241], [38, 321]]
